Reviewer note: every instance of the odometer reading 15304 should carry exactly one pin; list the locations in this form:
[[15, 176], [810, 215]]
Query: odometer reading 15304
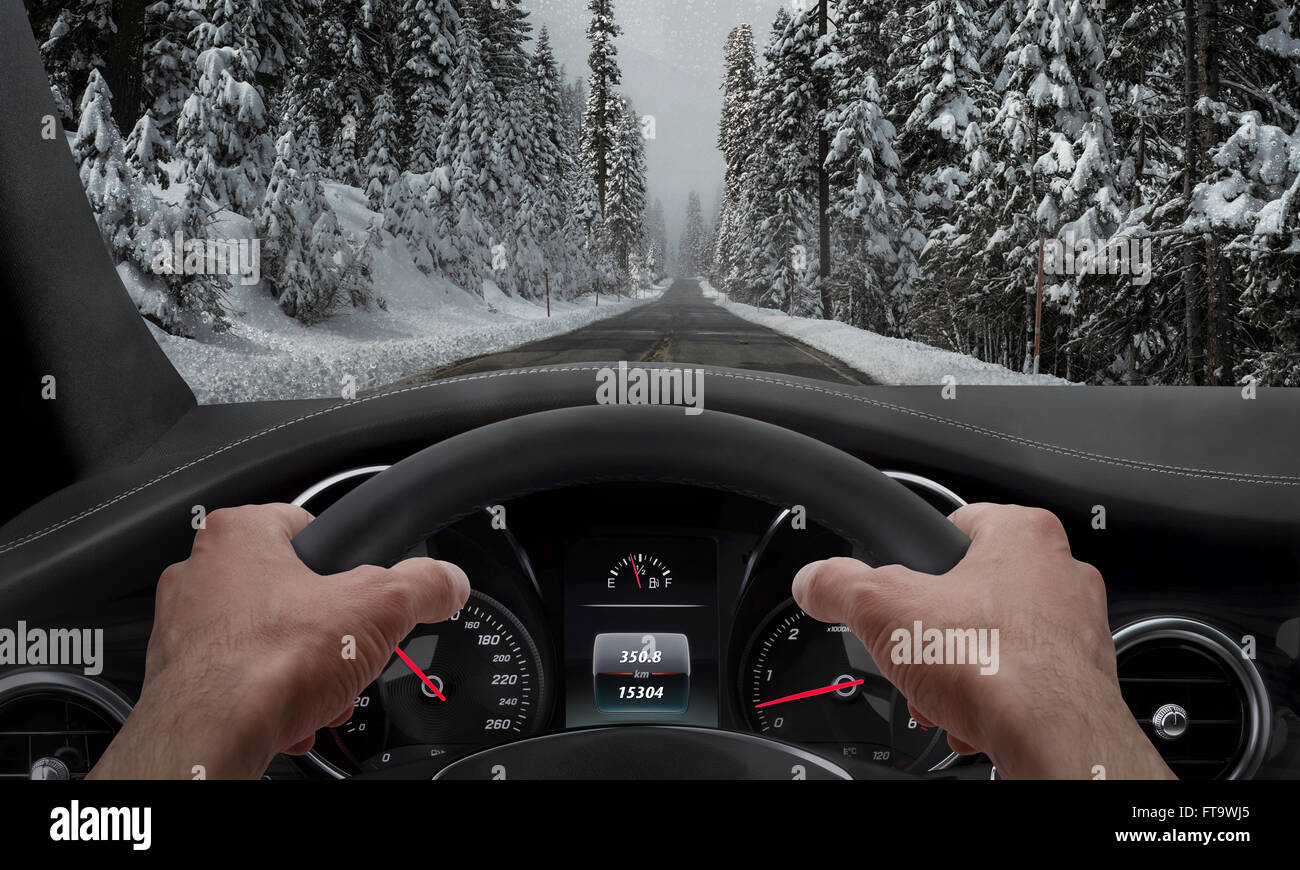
[[641, 672]]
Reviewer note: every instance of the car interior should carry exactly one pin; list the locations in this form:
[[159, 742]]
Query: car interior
[[604, 542]]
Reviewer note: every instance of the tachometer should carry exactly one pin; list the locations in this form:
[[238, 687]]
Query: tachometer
[[451, 688], [815, 684]]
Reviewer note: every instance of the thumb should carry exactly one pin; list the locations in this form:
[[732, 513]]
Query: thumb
[[434, 590], [870, 601]]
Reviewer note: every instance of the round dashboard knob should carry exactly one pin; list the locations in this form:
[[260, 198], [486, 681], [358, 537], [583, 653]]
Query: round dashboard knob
[[50, 768], [1170, 722]]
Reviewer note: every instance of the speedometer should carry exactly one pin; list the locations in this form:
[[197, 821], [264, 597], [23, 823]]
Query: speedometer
[[815, 684], [449, 689]]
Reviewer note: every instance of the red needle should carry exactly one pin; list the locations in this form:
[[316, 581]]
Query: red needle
[[419, 673], [635, 572], [833, 687]]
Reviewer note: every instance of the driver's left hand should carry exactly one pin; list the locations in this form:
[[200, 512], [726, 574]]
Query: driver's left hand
[[247, 656]]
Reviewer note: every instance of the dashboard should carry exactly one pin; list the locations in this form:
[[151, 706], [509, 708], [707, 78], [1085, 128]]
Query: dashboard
[[1189, 514], [628, 604]]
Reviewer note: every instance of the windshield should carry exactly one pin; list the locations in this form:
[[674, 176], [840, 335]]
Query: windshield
[[311, 199]]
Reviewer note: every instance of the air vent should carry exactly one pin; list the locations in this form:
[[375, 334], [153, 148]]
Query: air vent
[[1198, 698], [55, 725]]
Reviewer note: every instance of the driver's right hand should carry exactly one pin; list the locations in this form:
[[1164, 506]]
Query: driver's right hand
[[1051, 707]]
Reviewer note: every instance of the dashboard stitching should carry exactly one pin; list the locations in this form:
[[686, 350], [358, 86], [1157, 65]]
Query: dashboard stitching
[[1240, 477]]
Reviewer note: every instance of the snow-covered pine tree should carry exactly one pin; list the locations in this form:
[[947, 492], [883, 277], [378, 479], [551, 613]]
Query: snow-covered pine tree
[[408, 218], [505, 29], [168, 58], [340, 76], [554, 162], [270, 31], [301, 238], [72, 38], [780, 221], [356, 281], [284, 226], [425, 58], [941, 91], [1241, 57], [657, 233], [736, 140], [573, 97], [382, 170], [131, 221], [121, 204], [145, 147], [1253, 201], [225, 120], [1133, 332], [625, 198], [467, 158], [1268, 263], [309, 156], [876, 228], [199, 297], [602, 121], [1050, 174], [428, 113], [516, 147], [690, 250]]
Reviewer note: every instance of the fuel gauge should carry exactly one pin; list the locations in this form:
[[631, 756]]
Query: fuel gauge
[[642, 571]]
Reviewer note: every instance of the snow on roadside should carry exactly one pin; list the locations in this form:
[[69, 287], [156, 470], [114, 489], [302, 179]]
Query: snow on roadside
[[429, 322], [892, 361]]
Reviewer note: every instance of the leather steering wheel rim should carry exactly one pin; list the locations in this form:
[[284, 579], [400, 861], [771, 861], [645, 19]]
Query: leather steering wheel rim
[[382, 518]]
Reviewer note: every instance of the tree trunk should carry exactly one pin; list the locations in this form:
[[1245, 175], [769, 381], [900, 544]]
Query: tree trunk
[[1140, 161], [1193, 314], [1031, 297], [123, 63], [1218, 287], [824, 180]]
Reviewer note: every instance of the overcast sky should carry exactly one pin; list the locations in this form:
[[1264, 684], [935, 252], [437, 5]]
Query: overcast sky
[[671, 56]]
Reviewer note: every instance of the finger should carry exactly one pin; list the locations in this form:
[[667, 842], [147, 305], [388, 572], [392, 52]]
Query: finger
[[287, 518], [302, 747], [435, 590], [343, 716], [961, 747], [920, 720], [848, 591], [973, 518]]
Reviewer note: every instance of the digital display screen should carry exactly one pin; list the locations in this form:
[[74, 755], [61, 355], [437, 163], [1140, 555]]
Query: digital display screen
[[641, 631]]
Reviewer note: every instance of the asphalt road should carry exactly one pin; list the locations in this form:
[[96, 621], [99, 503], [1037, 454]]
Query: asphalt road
[[680, 327]]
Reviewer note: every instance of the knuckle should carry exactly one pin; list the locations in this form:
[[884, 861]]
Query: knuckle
[[298, 511], [1043, 522], [219, 521], [1092, 579], [170, 577]]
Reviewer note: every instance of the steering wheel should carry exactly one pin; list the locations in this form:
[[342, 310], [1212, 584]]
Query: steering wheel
[[884, 521]]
